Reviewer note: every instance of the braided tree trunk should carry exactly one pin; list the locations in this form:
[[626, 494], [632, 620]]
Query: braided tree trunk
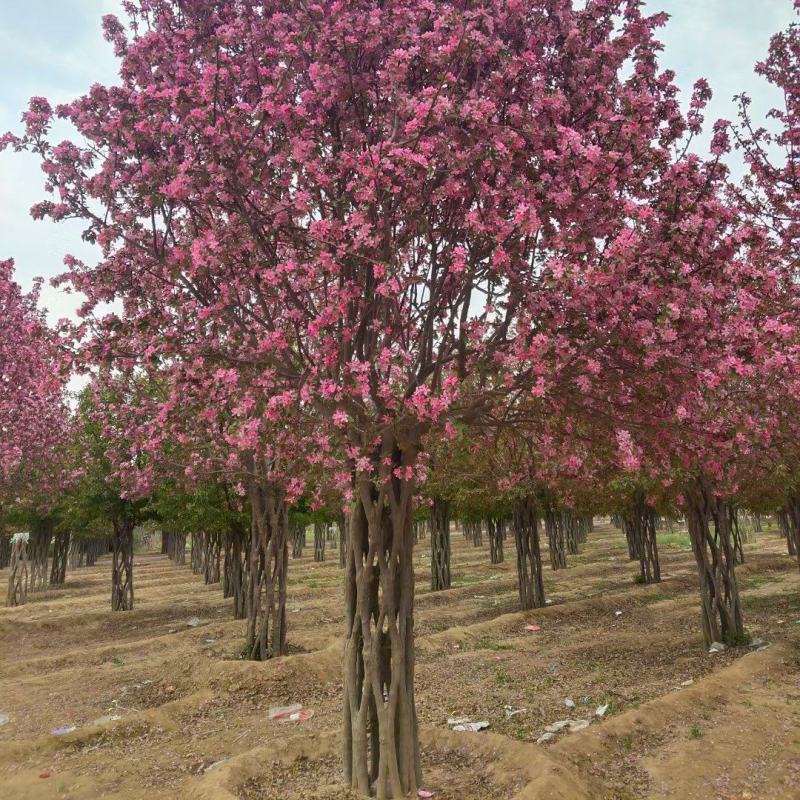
[[93, 548], [269, 563], [233, 582], [477, 534], [198, 553], [298, 540], [793, 524], [782, 518], [213, 546], [631, 537], [58, 572], [737, 535], [343, 523], [77, 553], [319, 541], [440, 545], [554, 525], [164, 543], [177, 545], [714, 554], [381, 743], [570, 524], [18, 573], [529, 557], [38, 551], [640, 522], [495, 528], [122, 565]]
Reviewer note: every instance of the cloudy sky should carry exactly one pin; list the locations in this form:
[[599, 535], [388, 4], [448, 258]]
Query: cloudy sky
[[55, 48]]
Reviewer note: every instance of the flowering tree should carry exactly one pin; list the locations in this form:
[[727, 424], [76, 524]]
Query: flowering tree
[[360, 207], [34, 420], [771, 195]]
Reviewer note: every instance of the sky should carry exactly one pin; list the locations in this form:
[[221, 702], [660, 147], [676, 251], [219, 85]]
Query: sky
[[55, 48]]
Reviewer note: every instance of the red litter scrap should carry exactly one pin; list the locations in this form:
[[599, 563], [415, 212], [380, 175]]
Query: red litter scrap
[[533, 628], [293, 713]]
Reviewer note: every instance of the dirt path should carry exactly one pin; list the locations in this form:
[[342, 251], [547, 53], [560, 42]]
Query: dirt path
[[193, 719]]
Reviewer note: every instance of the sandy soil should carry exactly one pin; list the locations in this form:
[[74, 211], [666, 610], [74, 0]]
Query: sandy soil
[[193, 719]]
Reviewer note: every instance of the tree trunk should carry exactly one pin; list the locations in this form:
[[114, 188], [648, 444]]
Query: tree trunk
[[793, 527], [631, 537], [381, 743], [757, 526], [553, 523], [198, 553], [569, 521], [164, 543], [343, 522], [319, 541], [213, 543], [719, 593], [640, 529], [440, 545], [38, 552], [269, 563], [529, 558], [178, 548], [233, 572], [736, 535], [18, 573], [5, 550], [58, 573], [298, 540], [94, 547], [122, 565], [495, 528], [477, 534]]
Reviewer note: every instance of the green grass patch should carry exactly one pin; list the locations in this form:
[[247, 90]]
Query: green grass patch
[[469, 579], [675, 541]]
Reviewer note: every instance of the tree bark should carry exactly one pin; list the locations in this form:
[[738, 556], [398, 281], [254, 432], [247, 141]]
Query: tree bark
[[477, 534], [719, 592], [494, 527], [298, 540], [529, 557], [319, 541], [94, 547], [58, 571], [793, 527], [381, 742], [213, 545], [122, 565], [198, 553], [17, 594], [639, 521], [631, 537], [164, 543], [269, 563], [569, 521], [233, 572], [736, 534], [178, 548], [553, 523], [38, 552], [5, 550], [440, 545], [343, 523]]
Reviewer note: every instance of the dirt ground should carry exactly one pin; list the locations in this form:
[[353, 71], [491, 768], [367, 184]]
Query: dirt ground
[[165, 710]]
